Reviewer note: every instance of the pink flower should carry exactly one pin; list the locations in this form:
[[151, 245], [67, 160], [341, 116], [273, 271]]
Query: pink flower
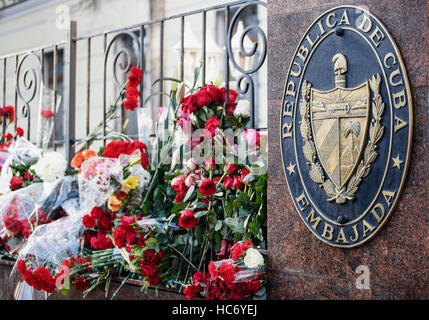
[[252, 137]]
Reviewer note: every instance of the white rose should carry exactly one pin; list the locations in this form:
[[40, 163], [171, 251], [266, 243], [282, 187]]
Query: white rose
[[52, 165], [144, 178], [253, 258], [242, 109], [191, 164]]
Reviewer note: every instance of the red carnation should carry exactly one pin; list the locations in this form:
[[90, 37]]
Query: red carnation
[[81, 284], [46, 113], [88, 221], [9, 111], [28, 176], [192, 291], [226, 271], [207, 187], [16, 183], [187, 219], [126, 220], [96, 213], [19, 131], [131, 103], [21, 266]]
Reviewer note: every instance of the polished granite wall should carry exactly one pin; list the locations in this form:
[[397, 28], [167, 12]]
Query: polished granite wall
[[301, 266]]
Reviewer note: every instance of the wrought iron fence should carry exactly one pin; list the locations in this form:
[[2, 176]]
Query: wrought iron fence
[[57, 64]]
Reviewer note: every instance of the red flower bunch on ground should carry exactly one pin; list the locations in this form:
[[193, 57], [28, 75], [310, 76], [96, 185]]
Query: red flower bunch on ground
[[103, 221], [126, 235], [220, 283], [39, 279], [149, 266], [46, 113], [132, 93], [115, 148], [238, 249]]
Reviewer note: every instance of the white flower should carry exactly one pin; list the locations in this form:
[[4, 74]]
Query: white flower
[[191, 164], [144, 178], [242, 109], [52, 165], [253, 258]]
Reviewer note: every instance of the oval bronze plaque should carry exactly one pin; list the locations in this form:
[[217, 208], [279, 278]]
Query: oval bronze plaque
[[346, 126]]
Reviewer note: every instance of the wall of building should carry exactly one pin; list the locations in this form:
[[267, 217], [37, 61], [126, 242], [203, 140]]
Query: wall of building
[[301, 266]]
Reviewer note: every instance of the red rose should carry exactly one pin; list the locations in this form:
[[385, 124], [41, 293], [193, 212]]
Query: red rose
[[212, 124], [226, 271], [96, 213], [178, 183], [227, 182], [237, 183], [16, 183], [207, 187], [189, 104], [81, 284], [8, 136], [88, 221], [187, 219], [19, 131], [230, 108], [232, 95], [230, 168], [179, 197], [202, 98], [214, 93], [46, 113], [210, 164], [192, 291]]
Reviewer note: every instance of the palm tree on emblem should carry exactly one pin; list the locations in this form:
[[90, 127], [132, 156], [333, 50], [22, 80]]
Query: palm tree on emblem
[[353, 128]]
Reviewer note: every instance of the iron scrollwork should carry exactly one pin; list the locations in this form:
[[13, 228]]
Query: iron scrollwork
[[245, 78]]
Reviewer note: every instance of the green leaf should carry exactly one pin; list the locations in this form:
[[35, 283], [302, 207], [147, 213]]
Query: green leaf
[[236, 204], [166, 79], [178, 207], [218, 225], [200, 214], [244, 198], [231, 222], [189, 193], [243, 213], [157, 195]]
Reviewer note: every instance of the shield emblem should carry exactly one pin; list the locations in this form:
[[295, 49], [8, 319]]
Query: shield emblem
[[339, 122]]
